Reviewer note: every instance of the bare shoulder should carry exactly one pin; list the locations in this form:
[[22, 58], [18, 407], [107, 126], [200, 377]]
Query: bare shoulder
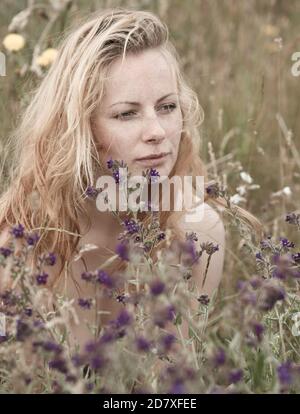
[[208, 224], [4, 236], [206, 221]]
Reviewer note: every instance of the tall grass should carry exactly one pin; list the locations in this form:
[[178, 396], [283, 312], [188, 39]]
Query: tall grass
[[237, 56]]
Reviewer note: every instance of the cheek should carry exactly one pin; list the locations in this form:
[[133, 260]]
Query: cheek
[[175, 135], [107, 137], [118, 142]]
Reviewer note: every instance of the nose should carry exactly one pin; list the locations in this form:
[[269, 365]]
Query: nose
[[153, 132]]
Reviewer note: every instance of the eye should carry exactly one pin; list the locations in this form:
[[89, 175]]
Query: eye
[[124, 115], [169, 107]]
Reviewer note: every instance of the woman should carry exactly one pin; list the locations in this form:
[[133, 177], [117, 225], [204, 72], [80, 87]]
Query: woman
[[115, 91]]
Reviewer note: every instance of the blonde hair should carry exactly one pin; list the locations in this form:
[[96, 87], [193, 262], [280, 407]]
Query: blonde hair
[[55, 157]]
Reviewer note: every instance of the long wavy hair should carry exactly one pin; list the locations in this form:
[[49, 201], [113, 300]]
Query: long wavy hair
[[55, 156]]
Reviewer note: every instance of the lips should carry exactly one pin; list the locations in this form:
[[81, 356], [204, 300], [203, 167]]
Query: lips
[[153, 160], [154, 156]]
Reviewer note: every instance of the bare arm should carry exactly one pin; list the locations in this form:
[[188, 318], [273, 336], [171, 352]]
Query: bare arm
[[209, 229]]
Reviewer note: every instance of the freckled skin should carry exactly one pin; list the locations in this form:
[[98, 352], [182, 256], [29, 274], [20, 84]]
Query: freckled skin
[[152, 126]]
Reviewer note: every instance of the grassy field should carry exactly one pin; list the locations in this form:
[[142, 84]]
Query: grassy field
[[232, 57], [237, 57]]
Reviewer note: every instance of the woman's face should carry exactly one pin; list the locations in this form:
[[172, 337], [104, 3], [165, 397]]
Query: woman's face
[[140, 114]]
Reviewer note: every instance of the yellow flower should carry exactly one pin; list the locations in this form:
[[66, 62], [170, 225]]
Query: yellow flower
[[270, 30], [47, 57], [13, 42]]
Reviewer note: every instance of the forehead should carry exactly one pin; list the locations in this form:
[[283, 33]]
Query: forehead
[[149, 73]]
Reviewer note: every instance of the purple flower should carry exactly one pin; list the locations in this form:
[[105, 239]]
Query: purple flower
[[5, 251], [52, 347], [124, 318], [91, 347], [258, 329], [116, 176], [131, 226], [32, 239], [213, 190], [293, 218], [41, 278], [286, 243], [161, 236], [204, 300], [123, 251], [164, 315], [89, 386], [219, 358], [157, 287], [153, 175], [59, 364], [190, 253], [167, 341], [122, 298], [295, 273], [209, 247], [105, 279], [177, 387], [258, 256], [278, 274], [170, 312], [87, 276], [110, 163], [275, 258], [28, 312], [255, 282], [18, 231], [77, 360], [296, 257], [91, 192], [50, 259], [270, 296], [284, 372], [107, 337], [241, 285], [97, 362], [235, 376], [85, 303], [142, 344], [39, 324]]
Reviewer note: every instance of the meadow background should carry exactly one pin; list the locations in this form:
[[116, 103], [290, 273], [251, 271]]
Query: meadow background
[[237, 56]]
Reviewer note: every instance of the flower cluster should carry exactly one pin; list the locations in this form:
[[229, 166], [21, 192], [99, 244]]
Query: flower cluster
[[235, 341]]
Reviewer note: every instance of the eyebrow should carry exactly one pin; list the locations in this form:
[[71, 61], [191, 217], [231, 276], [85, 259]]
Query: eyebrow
[[137, 103]]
